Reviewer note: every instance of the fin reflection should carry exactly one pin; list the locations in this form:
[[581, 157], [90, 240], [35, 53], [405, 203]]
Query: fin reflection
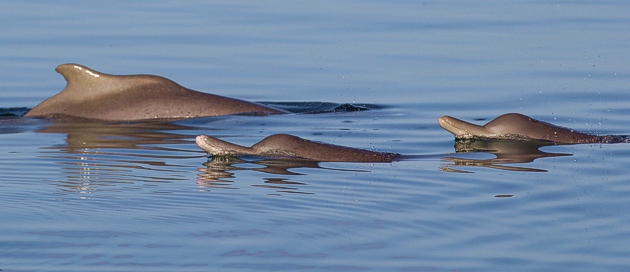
[[506, 151]]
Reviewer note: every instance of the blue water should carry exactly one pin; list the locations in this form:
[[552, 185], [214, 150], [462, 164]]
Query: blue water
[[143, 197]]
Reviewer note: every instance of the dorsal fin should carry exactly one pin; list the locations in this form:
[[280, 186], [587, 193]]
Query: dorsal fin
[[81, 81], [95, 95], [86, 83]]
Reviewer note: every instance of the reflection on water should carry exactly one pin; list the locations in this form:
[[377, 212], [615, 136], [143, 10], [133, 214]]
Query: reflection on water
[[85, 137], [105, 156], [282, 185], [506, 152], [97, 156], [220, 172]]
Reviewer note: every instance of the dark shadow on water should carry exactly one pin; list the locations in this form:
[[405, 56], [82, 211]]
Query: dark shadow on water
[[506, 151]]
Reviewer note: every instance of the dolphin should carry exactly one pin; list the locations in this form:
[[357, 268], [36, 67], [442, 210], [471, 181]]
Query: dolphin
[[285, 145], [90, 94], [515, 126]]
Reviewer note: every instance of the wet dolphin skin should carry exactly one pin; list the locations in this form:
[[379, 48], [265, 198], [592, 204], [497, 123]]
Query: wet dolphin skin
[[517, 126], [94, 95], [285, 145]]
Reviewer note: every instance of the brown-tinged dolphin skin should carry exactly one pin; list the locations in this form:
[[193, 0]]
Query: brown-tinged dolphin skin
[[94, 95], [515, 126], [284, 145]]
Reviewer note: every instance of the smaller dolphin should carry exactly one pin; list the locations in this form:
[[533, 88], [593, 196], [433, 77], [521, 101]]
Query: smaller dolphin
[[515, 126], [284, 145], [94, 95]]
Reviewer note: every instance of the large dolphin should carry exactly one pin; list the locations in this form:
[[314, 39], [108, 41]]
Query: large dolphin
[[284, 145], [94, 95], [515, 126]]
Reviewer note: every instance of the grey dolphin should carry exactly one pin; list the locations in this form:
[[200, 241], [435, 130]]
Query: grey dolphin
[[284, 145], [94, 95], [517, 126]]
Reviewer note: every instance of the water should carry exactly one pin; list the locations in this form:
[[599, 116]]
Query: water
[[134, 196]]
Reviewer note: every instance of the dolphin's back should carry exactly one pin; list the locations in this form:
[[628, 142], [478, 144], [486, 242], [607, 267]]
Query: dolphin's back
[[95, 95]]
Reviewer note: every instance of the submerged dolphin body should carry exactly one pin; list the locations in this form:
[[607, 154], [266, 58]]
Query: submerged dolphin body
[[515, 126], [94, 95], [284, 145]]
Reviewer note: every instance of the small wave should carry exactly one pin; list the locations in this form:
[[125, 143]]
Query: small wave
[[13, 111], [321, 107]]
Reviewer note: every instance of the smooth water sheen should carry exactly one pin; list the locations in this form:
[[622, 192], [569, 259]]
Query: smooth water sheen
[[143, 197]]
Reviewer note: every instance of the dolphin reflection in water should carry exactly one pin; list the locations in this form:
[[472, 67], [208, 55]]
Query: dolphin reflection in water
[[506, 152]]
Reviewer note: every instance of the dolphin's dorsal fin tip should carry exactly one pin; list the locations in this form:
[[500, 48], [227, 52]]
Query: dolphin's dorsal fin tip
[[71, 70], [83, 81]]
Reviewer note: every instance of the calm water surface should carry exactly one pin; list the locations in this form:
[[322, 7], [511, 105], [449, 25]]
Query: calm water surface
[[143, 197]]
